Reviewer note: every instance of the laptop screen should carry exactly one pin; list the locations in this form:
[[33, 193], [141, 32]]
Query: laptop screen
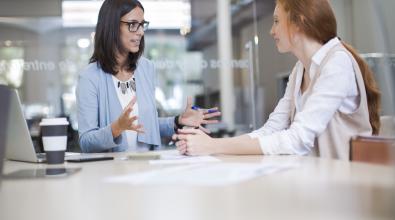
[[4, 116]]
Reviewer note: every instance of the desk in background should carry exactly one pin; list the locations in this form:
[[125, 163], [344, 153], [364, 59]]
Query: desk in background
[[317, 189]]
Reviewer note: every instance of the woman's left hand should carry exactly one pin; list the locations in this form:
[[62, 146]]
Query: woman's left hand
[[194, 142], [195, 118]]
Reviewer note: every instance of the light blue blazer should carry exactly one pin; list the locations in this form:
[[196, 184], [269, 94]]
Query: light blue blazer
[[99, 106]]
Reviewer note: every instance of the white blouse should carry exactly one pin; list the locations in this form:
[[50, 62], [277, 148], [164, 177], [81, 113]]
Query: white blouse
[[335, 89], [125, 99]]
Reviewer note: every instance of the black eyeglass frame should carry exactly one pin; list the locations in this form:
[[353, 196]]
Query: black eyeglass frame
[[131, 24]]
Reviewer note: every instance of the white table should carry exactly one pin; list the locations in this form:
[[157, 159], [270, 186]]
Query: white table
[[317, 189]]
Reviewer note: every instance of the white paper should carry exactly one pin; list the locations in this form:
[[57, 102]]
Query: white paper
[[184, 159], [211, 174], [174, 157]]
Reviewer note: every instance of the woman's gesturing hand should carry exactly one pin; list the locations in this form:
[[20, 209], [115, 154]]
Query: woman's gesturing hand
[[126, 122], [196, 117]]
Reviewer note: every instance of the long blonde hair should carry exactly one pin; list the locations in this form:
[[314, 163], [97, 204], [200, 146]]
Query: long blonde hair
[[315, 18]]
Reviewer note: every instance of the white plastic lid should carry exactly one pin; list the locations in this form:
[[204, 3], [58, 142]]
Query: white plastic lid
[[53, 121]]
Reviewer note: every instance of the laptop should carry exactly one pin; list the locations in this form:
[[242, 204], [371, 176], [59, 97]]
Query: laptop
[[18, 143], [1, 157], [3, 122], [15, 137]]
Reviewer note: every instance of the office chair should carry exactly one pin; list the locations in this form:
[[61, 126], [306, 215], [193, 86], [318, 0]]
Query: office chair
[[373, 149]]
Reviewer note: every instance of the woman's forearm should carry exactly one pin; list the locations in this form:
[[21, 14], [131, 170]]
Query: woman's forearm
[[97, 140], [240, 145]]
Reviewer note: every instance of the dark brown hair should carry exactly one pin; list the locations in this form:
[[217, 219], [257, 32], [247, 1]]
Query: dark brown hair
[[107, 36], [315, 18]]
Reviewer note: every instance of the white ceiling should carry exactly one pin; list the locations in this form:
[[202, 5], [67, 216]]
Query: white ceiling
[[43, 15]]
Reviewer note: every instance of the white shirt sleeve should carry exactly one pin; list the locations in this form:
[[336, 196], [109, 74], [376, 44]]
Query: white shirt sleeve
[[329, 92], [279, 119]]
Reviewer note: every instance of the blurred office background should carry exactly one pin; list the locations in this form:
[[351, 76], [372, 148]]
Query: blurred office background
[[218, 51]]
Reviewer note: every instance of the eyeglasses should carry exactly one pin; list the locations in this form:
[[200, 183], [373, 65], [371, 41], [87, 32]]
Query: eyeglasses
[[135, 25]]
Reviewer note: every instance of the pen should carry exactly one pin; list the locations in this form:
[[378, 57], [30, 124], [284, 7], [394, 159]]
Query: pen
[[208, 110]]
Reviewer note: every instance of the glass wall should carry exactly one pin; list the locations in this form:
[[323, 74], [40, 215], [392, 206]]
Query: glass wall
[[219, 52]]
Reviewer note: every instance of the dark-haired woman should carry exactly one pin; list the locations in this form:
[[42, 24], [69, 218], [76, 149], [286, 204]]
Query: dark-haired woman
[[330, 97], [116, 92]]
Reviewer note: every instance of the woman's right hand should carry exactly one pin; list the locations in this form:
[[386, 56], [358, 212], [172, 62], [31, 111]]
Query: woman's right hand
[[126, 122]]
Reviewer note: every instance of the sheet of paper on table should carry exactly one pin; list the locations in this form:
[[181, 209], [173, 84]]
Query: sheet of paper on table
[[201, 174], [173, 157]]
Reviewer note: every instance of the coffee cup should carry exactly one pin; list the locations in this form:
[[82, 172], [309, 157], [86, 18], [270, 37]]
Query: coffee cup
[[54, 137]]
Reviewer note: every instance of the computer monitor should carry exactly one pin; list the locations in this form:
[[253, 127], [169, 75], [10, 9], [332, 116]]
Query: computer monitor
[[4, 117]]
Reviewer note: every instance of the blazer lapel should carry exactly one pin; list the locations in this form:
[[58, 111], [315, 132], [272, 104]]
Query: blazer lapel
[[114, 105]]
